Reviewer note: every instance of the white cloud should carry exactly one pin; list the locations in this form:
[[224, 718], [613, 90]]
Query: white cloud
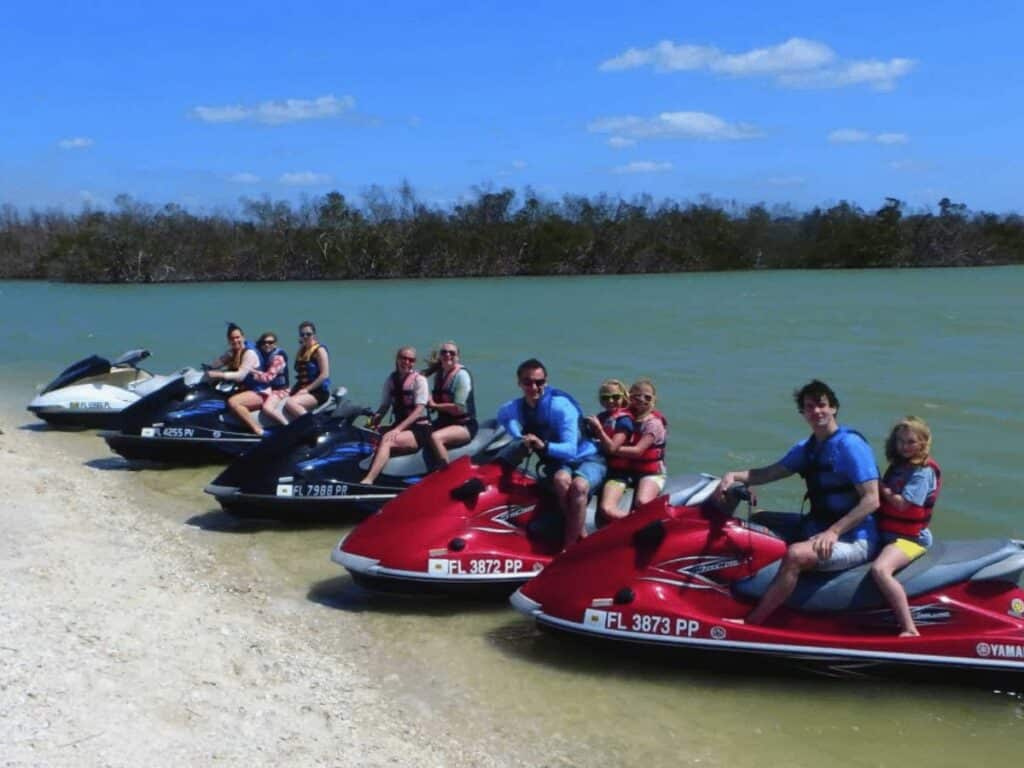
[[304, 179], [795, 63], [643, 166], [244, 178], [910, 166], [848, 136], [857, 136], [892, 138], [621, 142], [78, 142], [277, 112], [674, 125]]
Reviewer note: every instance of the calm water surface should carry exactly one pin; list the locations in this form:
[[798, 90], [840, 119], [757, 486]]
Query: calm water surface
[[725, 351]]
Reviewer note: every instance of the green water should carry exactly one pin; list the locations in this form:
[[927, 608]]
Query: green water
[[725, 351]]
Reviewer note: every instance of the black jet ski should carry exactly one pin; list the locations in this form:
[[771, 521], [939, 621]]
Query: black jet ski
[[92, 392], [310, 470], [186, 422]]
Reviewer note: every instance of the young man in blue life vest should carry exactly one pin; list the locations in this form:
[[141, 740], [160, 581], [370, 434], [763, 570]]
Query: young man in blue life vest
[[842, 485], [547, 422]]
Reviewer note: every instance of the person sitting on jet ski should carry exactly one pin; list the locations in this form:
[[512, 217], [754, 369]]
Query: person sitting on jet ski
[[312, 373], [842, 484], [547, 421], [635, 458], [453, 401], [406, 395], [257, 370], [910, 488]]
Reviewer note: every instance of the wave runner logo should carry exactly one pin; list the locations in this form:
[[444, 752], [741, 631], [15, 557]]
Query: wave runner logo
[[999, 651], [694, 568], [503, 518]]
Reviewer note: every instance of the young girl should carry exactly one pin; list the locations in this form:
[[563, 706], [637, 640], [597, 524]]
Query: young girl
[[908, 492], [638, 459]]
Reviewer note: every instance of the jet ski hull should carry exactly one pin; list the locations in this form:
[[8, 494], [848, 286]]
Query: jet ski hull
[[467, 529], [310, 471], [676, 579]]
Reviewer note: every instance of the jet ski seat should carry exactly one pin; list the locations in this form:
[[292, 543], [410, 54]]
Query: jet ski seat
[[489, 436], [946, 562]]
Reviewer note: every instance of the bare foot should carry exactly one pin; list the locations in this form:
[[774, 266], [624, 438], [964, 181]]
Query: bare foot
[[910, 633], [736, 621]]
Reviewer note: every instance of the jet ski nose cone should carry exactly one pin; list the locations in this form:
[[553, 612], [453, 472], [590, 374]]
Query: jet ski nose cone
[[523, 604]]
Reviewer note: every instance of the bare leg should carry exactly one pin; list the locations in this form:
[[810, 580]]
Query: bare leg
[[450, 435], [392, 442], [242, 404], [298, 404], [647, 489], [272, 408], [576, 510], [799, 557], [610, 497], [890, 560]]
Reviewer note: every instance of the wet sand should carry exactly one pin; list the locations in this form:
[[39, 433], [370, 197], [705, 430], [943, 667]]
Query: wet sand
[[123, 641]]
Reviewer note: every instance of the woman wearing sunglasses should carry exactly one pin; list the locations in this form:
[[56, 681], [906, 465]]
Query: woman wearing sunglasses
[[637, 460], [262, 376], [312, 373], [406, 395], [453, 402]]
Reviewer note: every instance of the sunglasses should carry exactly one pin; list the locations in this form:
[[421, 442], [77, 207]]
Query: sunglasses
[[449, 351], [406, 359], [265, 342], [641, 396], [305, 334], [538, 383], [609, 396]]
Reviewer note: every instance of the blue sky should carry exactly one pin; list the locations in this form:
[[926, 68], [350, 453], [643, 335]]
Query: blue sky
[[805, 103]]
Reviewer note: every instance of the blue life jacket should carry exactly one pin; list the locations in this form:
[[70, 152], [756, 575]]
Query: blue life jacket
[[537, 421], [307, 368], [278, 382], [830, 493]]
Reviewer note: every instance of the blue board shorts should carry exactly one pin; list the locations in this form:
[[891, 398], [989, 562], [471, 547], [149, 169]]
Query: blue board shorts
[[592, 469]]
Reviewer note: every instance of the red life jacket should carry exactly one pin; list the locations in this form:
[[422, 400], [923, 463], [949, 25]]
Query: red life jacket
[[610, 417], [403, 396], [647, 463], [444, 392], [912, 518]]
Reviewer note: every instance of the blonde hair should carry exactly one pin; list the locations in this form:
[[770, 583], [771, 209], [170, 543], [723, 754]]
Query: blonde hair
[[611, 385], [919, 429], [644, 383]]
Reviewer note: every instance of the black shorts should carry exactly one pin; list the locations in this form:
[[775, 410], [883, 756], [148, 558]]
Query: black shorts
[[320, 394]]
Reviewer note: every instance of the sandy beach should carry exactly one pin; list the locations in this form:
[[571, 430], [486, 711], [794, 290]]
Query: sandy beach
[[122, 642]]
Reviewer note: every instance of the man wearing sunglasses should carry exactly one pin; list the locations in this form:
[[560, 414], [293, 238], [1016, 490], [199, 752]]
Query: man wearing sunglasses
[[547, 422]]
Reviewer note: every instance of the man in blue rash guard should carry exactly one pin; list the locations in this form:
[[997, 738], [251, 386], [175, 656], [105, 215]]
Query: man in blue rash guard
[[547, 422], [842, 485]]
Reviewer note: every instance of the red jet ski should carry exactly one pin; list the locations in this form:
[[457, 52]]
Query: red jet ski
[[483, 529], [674, 573]]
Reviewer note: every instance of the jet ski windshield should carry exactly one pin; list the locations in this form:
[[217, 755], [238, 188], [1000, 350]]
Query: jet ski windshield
[[131, 357], [93, 365]]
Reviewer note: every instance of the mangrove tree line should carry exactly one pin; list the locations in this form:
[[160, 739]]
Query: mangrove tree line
[[496, 233]]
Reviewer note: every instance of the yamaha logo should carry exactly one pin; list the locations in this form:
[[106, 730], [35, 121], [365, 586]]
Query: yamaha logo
[[983, 649], [718, 633]]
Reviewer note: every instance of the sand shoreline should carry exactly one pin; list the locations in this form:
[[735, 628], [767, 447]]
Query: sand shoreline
[[123, 643]]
